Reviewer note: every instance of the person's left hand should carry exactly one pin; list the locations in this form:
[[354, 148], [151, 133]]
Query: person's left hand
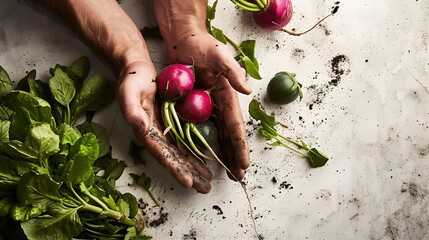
[[217, 69]]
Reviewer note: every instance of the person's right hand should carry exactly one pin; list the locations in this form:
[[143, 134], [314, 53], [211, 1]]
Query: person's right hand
[[136, 96]]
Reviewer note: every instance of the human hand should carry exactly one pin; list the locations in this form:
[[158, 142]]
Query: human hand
[[216, 69], [136, 96]]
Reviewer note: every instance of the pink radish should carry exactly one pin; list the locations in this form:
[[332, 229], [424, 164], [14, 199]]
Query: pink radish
[[196, 107], [275, 15], [175, 81]]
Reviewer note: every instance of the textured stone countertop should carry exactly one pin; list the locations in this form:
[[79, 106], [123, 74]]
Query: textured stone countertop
[[365, 76]]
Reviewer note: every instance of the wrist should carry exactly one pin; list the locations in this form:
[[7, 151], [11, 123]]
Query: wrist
[[179, 19]]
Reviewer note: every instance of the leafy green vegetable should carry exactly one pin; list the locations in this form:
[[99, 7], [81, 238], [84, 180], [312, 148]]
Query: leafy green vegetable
[[49, 168], [267, 130], [145, 182], [246, 50], [6, 85]]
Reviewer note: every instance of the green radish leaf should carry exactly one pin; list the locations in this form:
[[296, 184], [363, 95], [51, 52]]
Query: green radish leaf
[[6, 205], [317, 159], [100, 132], [135, 152], [52, 70], [22, 213], [4, 132], [23, 84], [82, 155], [6, 85], [39, 89], [276, 143], [211, 11], [41, 138], [63, 223], [248, 48], [110, 202], [266, 134], [79, 70], [218, 34], [131, 200], [250, 67], [38, 108], [18, 149], [37, 190], [123, 206], [5, 112], [62, 87], [113, 168], [257, 112], [68, 136], [96, 92]]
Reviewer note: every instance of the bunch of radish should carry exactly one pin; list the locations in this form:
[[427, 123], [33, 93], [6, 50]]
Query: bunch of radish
[[186, 112], [184, 109]]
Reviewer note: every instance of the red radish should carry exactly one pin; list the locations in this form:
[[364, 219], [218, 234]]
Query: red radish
[[275, 15], [196, 107], [175, 81]]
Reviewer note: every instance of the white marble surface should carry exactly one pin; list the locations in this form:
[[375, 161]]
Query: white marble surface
[[374, 123]]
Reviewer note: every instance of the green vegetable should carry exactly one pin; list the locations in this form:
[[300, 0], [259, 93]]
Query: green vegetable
[[267, 130], [145, 182], [58, 180], [246, 50], [283, 88], [208, 130]]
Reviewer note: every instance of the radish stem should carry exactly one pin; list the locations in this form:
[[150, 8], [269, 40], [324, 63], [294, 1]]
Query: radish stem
[[301, 33], [201, 138]]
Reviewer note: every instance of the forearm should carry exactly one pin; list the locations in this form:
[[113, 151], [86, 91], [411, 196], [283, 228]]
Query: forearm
[[105, 27], [179, 18]]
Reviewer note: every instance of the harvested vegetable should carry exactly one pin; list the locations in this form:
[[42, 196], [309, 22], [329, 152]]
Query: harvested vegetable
[[315, 157], [274, 14], [196, 107], [283, 88], [57, 179], [180, 121], [175, 81]]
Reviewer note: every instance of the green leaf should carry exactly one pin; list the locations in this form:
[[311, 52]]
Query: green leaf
[[131, 200], [18, 149], [4, 132], [211, 11], [110, 202], [250, 67], [41, 138], [23, 213], [123, 206], [100, 132], [6, 85], [37, 190], [95, 93], [79, 69], [82, 155], [113, 168], [248, 48], [266, 134], [38, 108], [258, 113], [23, 84], [218, 34], [11, 171], [63, 223], [317, 159], [68, 136], [5, 112], [62, 87], [39, 88], [135, 152], [6, 205]]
